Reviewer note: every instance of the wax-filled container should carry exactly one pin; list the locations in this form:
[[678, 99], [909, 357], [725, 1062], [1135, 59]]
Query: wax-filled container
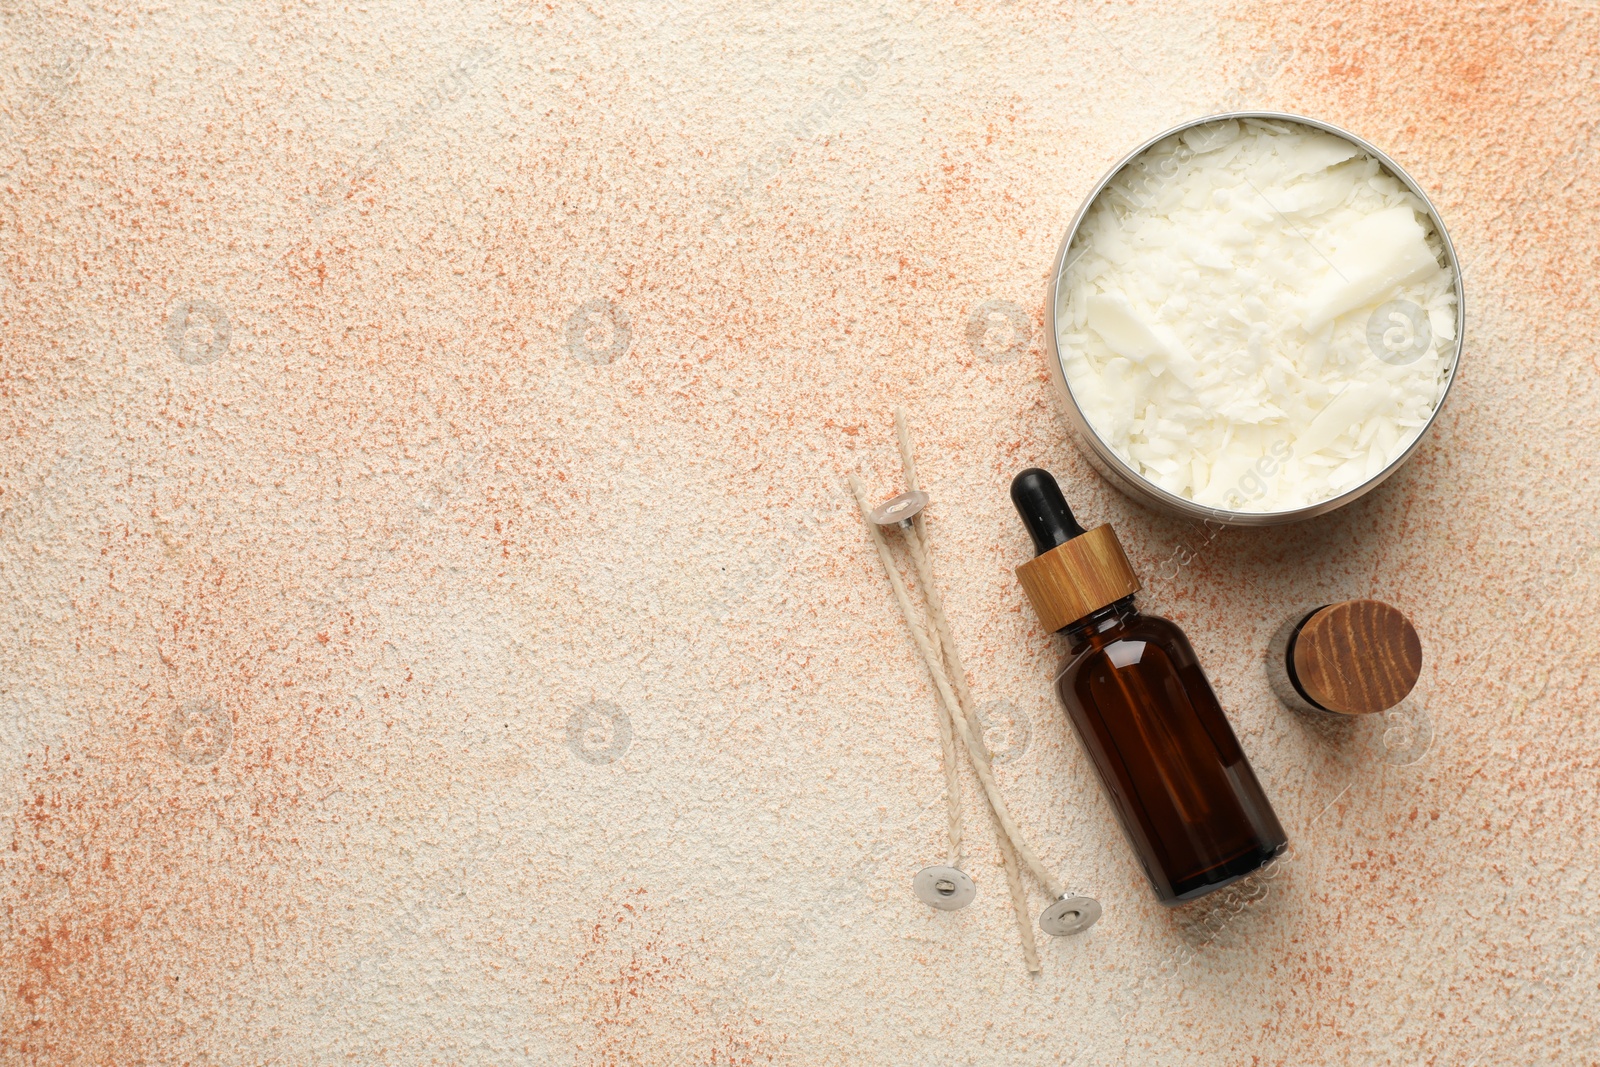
[[1254, 318], [1133, 689]]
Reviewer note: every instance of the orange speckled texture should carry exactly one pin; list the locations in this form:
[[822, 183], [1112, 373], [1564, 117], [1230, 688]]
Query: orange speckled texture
[[436, 631]]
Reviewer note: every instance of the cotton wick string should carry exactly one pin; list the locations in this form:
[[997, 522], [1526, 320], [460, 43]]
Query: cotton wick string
[[922, 555], [956, 702], [963, 709], [942, 687], [978, 754], [976, 750], [952, 778]]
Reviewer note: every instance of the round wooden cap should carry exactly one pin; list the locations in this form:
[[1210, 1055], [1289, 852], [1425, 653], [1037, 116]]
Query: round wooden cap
[[1078, 577], [1357, 657]]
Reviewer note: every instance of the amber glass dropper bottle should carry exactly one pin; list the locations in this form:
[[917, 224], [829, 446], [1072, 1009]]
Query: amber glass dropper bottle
[[1169, 762]]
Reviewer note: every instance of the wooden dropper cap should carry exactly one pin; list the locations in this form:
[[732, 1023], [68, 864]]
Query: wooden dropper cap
[[1076, 572], [1357, 657]]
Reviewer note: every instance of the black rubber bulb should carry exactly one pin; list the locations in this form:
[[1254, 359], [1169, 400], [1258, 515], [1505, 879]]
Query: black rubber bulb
[[1043, 509]]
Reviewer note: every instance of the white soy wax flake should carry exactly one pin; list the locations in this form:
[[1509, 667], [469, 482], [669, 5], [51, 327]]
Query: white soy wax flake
[[1261, 316]]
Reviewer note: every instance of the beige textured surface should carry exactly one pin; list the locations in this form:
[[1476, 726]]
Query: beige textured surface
[[444, 674]]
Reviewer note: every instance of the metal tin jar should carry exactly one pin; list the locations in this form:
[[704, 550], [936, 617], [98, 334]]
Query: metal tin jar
[[1124, 477]]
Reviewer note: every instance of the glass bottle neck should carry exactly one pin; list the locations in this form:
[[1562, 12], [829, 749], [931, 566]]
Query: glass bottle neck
[[1109, 617]]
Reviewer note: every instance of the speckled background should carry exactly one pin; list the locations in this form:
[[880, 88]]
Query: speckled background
[[435, 629]]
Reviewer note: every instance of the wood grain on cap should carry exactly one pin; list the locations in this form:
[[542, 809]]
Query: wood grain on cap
[[1079, 577], [1357, 657]]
